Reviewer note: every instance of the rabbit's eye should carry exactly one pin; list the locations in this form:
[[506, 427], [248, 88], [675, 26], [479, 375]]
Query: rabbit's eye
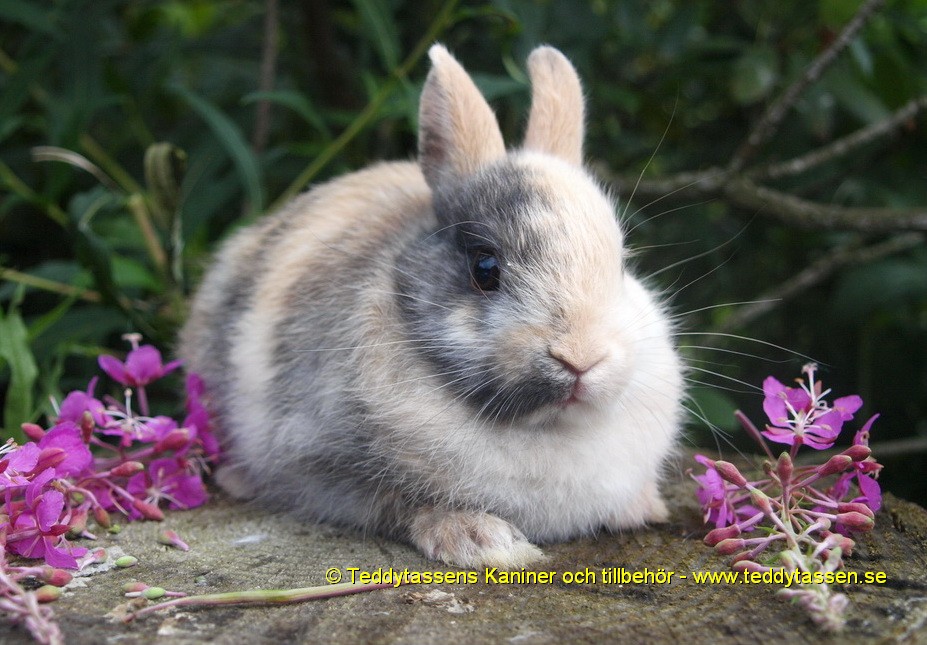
[[484, 271]]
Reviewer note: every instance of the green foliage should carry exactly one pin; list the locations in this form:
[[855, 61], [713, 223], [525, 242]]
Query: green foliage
[[129, 149]]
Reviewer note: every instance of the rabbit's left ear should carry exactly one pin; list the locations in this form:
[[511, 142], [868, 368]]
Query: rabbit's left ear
[[556, 122]]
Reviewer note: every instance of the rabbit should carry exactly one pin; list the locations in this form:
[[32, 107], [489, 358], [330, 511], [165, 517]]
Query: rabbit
[[450, 353]]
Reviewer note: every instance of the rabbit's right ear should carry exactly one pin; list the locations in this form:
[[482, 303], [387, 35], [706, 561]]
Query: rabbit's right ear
[[458, 132]]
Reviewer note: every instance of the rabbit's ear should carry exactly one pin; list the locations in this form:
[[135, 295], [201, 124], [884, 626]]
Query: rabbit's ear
[[458, 132], [555, 125]]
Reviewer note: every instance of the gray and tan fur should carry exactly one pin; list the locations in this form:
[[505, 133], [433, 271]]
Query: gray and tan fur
[[361, 374]]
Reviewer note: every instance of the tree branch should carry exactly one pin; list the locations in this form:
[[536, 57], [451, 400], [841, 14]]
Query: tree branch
[[745, 194], [772, 118], [268, 74], [843, 146], [818, 272]]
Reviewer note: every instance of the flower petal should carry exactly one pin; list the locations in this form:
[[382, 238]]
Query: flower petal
[[143, 365], [114, 368], [774, 401]]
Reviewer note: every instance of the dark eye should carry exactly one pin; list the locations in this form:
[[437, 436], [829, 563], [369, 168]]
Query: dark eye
[[484, 270]]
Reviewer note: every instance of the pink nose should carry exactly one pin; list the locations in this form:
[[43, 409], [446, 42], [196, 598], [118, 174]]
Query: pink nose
[[574, 366]]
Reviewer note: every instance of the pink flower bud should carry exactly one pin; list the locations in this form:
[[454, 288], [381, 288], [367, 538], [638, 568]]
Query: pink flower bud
[[56, 577], [102, 517], [171, 538], [134, 587], [47, 593], [836, 464], [761, 500], [729, 546], [150, 511], [857, 452], [729, 473], [784, 467], [49, 458], [58, 529], [78, 522], [725, 532], [174, 440], [127, 469], [845, 544], [748, 565], [848, 507], [856, 521], [33, 431], [87, 426]]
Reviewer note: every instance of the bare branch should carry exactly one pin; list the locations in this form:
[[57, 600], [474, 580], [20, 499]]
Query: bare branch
[[802, 213], [843, 146], [816, 273], [268, 73], [768, 124]]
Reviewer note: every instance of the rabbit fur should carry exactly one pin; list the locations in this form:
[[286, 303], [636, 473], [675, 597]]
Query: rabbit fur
[[451, 352]]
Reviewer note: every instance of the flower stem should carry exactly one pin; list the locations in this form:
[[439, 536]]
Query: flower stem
[[261, 596]]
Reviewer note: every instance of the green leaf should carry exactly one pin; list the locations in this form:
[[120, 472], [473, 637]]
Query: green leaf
[[296, 102], [381, 29], [16, 353], [234, 143]]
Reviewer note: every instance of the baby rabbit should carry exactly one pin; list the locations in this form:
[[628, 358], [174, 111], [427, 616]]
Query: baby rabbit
[[451, 353]]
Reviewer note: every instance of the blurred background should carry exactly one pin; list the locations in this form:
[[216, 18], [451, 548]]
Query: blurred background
[[778, 152]]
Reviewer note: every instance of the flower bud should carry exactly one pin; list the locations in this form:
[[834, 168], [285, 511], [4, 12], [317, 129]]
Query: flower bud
[[174, 440], [845, 544], [836, 464], [78, 523], [49, 458], [33, 431], [857, 452], [761, 500], [171, 538], [55, 577], [729, 473], [134, 587], [87, 426], [102, 517], [729, 546], [848, 507], [126, 561], [153, 593], [150, 511], [47, 593], [725, 532], [784, 467], [856, 521], [127, 469], [748, 565]]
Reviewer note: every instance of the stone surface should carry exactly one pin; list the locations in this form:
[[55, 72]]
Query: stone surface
[[235, 547]]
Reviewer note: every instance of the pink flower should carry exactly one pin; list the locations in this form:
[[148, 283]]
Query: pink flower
[[800, 416], [169, 479], [715, 496], [39, 532], [77, 402], [143, 365], [863, 471], [67, 436]]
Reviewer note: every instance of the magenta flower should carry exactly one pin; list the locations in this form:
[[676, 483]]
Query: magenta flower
[[869, 488], [720, 500], [142, 366], [801, 416], [67, 436], [39, 532], [17, 465], [77, 402], [169, 479]]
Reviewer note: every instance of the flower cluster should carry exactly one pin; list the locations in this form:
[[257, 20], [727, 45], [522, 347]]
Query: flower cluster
[[97, 459], [799, 518]]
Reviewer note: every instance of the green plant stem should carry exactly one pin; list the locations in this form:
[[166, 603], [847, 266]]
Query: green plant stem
[[49, 285], [372, 108], [136, 204], [260, 596], [96, 154], [17, 186]]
